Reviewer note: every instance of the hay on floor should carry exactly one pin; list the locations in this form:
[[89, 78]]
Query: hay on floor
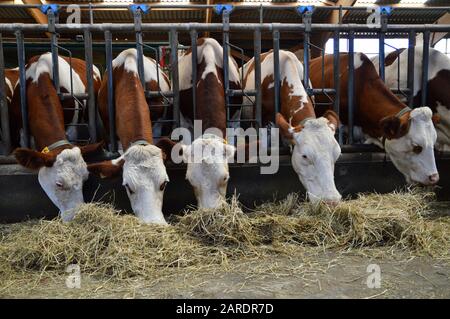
[[105, 243]]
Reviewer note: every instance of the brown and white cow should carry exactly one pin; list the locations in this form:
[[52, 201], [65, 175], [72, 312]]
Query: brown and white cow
[[315, 148], [11, 79], [62, 169], [407, 135], [208, 155], [141, 164], [438, 94]]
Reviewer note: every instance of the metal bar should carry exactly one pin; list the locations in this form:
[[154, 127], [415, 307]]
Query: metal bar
[[110, 84], [226, 50], [215, 27], [381, 50], [4, 112], [92, 112], [351, 85], [257, 62], [410, 76], [337, 81], [174, 72], [54, 49], [425, 67], [23, 88], [139, 48], [194, 36], [276, 70]]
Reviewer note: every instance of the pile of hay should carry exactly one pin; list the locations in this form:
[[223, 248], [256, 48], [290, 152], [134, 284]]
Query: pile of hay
[[105, 243]]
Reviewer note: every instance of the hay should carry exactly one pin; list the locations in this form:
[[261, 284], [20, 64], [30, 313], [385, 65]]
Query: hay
[[108, 244]]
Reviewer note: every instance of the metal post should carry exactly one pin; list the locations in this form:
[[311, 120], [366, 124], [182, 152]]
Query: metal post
[[410, 76], [194, 36], [381, 39], [276, 69], [54, 47], [425, 65], [351, 84], [4, 114], [257, 62], [90, 86], [307, 20], [226, 49], [139, 47], [337, 79], [23, 87], [110, 83], [174, 71]]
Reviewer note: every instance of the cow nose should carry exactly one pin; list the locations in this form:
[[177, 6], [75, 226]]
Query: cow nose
[[433, 178]]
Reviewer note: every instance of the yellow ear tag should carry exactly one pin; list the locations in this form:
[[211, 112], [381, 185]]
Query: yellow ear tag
[[45, 150], [225, 141]]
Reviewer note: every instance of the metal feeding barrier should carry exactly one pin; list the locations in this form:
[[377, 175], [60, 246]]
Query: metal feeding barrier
[[172, 98]]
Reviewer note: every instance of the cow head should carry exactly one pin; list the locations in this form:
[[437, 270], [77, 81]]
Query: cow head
[[144, 177], [61, 175], [409, 142], [207, 168], [314, 154]]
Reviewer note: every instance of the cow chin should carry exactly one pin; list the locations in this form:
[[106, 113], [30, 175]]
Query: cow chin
[[147, 207], [210, 199]]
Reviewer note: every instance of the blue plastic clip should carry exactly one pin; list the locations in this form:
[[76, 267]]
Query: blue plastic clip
[[219, 8], [53, 7], [144, 8], [386, 10], [304, 9]]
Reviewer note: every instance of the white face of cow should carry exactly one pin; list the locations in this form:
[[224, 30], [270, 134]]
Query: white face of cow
[[63, 181], [413, 153], [145, 178], [313, 158], [207, 169]]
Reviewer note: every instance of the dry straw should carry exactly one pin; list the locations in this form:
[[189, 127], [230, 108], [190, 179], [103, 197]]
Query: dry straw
[[105, 243]]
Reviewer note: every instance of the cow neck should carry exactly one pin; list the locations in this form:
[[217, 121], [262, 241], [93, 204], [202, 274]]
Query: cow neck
[[293, 114], [374, 100], [133, 121]]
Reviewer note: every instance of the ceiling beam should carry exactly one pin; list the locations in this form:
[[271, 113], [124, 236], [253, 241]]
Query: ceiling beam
[[37, 15]]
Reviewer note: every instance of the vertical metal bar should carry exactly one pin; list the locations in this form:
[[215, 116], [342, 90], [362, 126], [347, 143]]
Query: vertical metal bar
[[257, 61], [276, 69], [337, 78], [4, 112], [381, 39], [351, 84], [54, 48], [90, 86], [139, 46], [226, 50], [23, 87], [174, 71], [410, 76], [194, 36], [110, 84], [306, 61], [425, 62]]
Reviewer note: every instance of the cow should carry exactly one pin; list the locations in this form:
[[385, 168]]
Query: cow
[[315, 149], [438, 93], [141, 165], [11, 79], [208, 155], [60, 164], [406, 135]]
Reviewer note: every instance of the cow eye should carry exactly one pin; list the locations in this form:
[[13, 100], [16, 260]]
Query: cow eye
[[304, 156], [129, 189], [59, 185], [417, 149], [163, 186]]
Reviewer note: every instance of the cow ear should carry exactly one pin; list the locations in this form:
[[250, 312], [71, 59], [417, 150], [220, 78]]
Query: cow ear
[[394, 127], [286, 129], [436, 118], [166, 145], [33, 159], [230, 150], [106, 169], [333, 119]]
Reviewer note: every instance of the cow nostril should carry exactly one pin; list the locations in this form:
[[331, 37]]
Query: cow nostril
[[434, 178]]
